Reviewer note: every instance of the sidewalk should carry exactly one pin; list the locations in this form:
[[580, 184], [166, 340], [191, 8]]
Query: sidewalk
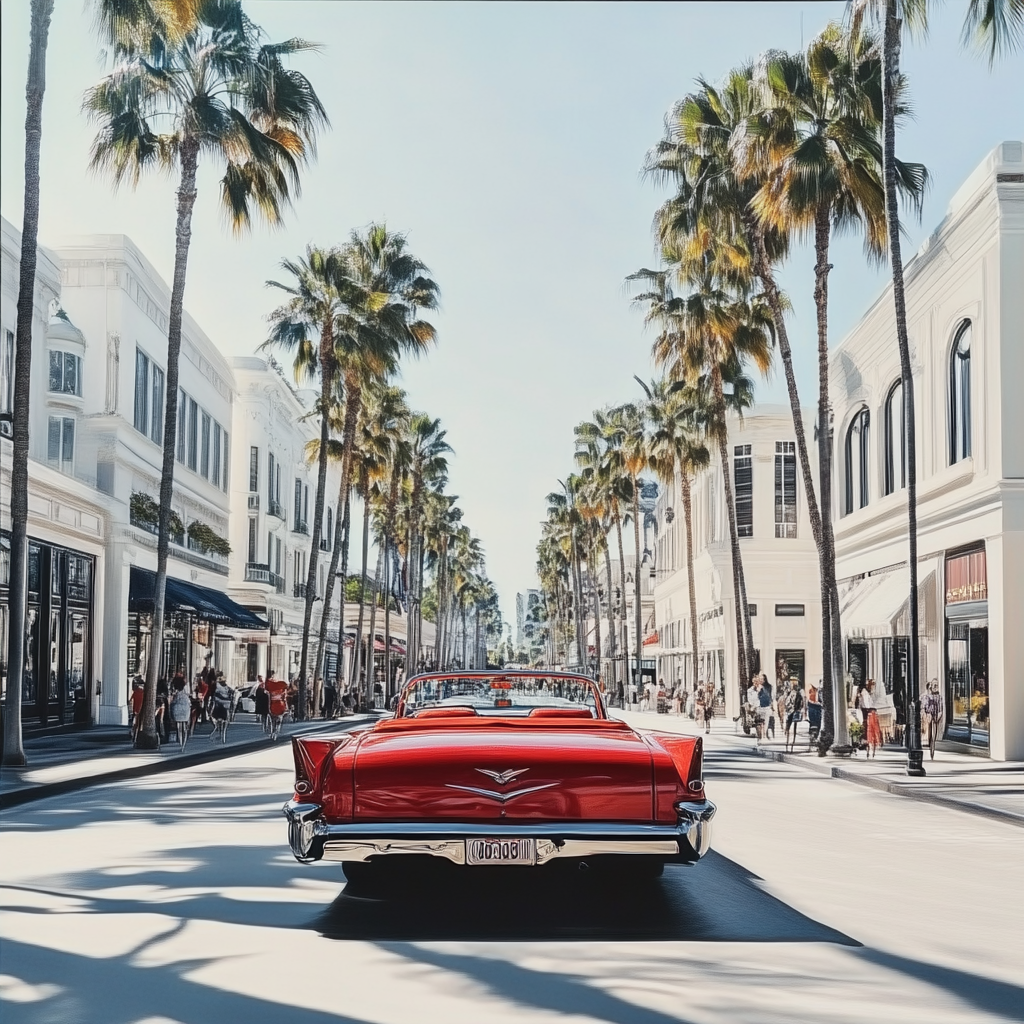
[[968, 783], [64, 762]]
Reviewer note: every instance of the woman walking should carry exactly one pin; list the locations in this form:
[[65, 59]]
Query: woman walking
[[181, 710], [709, 708], [698, 706], [932, 709], [869, 716]]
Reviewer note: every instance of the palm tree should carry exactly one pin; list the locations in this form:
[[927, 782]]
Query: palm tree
[[306, 324], [384, 288], [825, 112], [212, 88], [13, 750], [679, 415], [995, 25], [428, 467]]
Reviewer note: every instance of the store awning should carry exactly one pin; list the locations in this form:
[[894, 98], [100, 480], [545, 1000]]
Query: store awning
[[651, 639], [202, 602], [877, 604]]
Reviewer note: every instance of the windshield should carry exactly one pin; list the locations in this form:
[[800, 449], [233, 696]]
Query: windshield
[[511, 693]]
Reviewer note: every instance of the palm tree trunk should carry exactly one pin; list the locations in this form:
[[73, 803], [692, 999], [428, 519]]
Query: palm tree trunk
[[464, 636], [373, 611], [326, 389], [388, 586], [146, 738], [834, 726], [325, 614], [637, 611], [891, 62], [744, 670], [352, 397], [357, 650], [688, 517], [13, 748], [596, 601], [622, 590], [611, 615], [346, 527]]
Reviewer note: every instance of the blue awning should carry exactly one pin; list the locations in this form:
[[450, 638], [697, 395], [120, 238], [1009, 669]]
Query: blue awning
[[204, 603]]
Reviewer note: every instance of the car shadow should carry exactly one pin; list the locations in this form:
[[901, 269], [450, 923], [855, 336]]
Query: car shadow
[[715, 901]]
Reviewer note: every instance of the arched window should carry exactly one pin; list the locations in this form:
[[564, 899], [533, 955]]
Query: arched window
[[960, 395], [895, 439], [857, 446]]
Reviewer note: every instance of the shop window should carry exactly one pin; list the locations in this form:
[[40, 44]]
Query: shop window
[[789, 664], [743, 474], [216, 454], [254, 469], [895, 439], [193, 434], [65, 373], [856, 461], [156, 419], [204, 446], [785, 489], [60, 443], [252, 552], [960, 395]]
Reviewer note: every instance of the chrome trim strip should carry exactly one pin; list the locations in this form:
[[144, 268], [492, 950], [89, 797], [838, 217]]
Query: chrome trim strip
[[502, 798]]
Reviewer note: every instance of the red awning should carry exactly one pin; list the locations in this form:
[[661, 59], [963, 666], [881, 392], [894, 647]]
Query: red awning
[[651, 639]]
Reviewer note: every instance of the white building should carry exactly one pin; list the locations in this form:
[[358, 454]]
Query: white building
[[965, 312], [780, 563], [273, 496]]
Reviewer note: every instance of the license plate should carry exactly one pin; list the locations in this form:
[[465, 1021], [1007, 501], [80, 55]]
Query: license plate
[[501, 851]]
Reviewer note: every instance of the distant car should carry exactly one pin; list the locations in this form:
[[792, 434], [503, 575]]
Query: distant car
[[505, 768]]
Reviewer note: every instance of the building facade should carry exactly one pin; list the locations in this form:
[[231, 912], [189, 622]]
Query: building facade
[[965, 314], [780, 563]]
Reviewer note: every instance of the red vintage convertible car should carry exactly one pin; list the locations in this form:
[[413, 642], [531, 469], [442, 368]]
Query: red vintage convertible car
[[499, 768]]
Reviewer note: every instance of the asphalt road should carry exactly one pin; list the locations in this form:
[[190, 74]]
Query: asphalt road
[[175, 898]]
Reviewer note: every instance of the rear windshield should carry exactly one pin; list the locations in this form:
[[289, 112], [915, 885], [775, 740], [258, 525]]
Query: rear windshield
[[501, 695]]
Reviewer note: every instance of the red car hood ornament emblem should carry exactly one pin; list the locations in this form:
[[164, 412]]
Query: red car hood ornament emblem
[[503, 778]]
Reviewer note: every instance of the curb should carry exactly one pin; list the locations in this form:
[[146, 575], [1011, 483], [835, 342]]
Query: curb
[[29, 794], [895, 788]]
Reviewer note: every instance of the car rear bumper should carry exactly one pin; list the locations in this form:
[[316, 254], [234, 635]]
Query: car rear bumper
[[311, 838]]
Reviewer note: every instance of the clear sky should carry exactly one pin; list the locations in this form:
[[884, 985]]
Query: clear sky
[[506, 140]]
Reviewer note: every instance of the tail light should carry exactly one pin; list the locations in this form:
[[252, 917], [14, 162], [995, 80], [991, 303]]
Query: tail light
[[695, 775], [309, 756]]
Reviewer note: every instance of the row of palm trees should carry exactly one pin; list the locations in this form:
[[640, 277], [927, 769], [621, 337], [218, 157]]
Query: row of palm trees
[[787, 148]]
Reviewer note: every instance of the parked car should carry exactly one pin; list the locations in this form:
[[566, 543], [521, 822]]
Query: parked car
[[504, 768]]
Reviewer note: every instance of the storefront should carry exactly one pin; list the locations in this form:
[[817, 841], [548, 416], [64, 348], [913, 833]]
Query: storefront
[[193, 616], [967, 692], [58, 628]]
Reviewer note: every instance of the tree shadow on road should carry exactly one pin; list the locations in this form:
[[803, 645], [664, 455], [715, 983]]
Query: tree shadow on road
[[715, 901]]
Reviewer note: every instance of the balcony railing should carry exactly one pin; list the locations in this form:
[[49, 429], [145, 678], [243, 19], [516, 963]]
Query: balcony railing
[[276, 509], [300, 526], [255, 572], [299, 590], [277, 582]]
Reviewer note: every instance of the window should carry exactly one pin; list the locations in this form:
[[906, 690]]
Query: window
[[215, 473], [141, 391], [744, 483], [226, 462], [895, 440], [252, 540], [65, 373], [298, 504], [789, 610], [7, 372], [204, 445], [182, 406], [857, 447], [156, 422], [305, 504], [60, 443], [277, 556], [254, 469], [785, 489], [270, 477], [270, 550], [297, 567], [193, 433], [960, 395]]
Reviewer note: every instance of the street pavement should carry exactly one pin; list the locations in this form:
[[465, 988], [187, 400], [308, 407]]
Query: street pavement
[[174, 897]]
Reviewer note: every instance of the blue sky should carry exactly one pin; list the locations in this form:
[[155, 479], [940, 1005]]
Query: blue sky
[[506, 140]]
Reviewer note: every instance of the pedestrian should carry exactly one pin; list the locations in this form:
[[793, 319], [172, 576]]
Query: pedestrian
[[223, 698], [932, 710], [794, 701], [751, 706], [710, 699], [202, 692], [698, 707], [180, 708], [330, 698], [645, 702], [813, 714], [865, 700], [163, 724], [135, 705], [765, 718], [262, 702], [277, 694]]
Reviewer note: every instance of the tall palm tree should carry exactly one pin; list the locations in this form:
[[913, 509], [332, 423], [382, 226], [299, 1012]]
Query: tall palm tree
[[995, 25], [428, 467], [384, 288], [305, 325], [214, 89], [13, 750], [679, 416]]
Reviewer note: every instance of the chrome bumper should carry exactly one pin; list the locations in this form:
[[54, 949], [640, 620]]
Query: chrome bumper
[[311, 838]]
